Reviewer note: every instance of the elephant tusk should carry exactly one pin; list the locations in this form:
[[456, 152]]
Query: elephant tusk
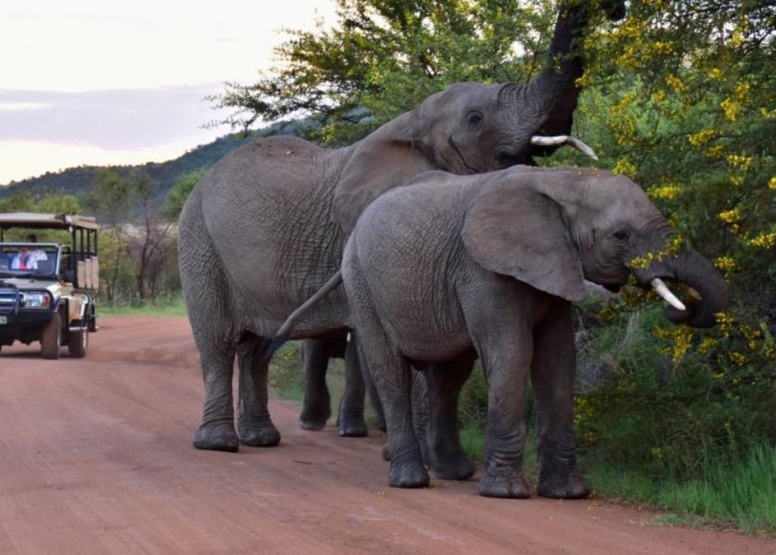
[[564, 140], [662, 289]]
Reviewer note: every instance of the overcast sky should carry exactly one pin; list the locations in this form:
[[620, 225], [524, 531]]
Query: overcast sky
[[104, 82]]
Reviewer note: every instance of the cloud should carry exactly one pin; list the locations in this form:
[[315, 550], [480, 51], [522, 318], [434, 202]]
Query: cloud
[[110, 119]]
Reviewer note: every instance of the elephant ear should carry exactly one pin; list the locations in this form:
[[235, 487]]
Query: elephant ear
[[513, 227], [387, 158]]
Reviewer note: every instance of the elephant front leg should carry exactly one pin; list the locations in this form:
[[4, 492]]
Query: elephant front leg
[[316, 408], [445, 454], [254, 424], [552, 378], [217, 431], [350, 422], [506, 371]]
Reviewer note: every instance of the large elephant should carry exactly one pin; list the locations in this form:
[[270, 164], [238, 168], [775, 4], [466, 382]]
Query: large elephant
[[452, 267], [266, 227]]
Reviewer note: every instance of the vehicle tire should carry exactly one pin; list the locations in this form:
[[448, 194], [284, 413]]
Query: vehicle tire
[[51, 340], [78, 342]]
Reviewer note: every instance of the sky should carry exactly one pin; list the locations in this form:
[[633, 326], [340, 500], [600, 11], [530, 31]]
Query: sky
[[103, 82]]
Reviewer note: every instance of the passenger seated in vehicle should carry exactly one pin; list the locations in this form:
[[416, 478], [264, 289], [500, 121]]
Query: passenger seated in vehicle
[[25, 260], [37, 253]]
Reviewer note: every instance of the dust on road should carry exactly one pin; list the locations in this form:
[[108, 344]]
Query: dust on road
[[96, 458]]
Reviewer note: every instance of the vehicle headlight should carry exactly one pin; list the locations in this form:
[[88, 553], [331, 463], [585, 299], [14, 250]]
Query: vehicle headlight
[[36, 300]]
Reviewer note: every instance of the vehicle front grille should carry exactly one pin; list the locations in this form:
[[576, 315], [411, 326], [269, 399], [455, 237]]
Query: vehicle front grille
[[10, 298]]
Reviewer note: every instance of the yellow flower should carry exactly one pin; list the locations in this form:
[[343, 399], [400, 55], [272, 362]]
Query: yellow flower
[[625, 167], [764, 240], [726, 263], [772, 183], [702, 137], [730, 216], [666, 192], [716, 74], [738, 358], [675, 83], [731, 108], [740, 161]]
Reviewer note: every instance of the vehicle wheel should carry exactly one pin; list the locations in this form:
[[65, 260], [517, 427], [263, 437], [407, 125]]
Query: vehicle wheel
[[51, 340], [77, 343]]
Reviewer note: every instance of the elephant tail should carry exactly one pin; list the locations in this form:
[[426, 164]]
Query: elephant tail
[[282, 335]]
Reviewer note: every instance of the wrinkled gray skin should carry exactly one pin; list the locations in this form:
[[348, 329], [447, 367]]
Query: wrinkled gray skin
[[453, 267], [266, 227]]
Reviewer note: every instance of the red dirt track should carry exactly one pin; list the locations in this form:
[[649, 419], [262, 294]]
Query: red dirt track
[[96, 458]]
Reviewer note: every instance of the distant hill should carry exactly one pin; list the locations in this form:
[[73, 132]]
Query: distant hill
[[80, 180]]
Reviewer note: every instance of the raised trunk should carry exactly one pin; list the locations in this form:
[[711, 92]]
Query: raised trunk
[[556, 90]]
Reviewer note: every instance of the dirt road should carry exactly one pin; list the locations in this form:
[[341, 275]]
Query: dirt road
[[96, 458]]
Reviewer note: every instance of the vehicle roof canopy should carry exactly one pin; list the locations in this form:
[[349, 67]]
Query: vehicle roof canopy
[[46, 221]]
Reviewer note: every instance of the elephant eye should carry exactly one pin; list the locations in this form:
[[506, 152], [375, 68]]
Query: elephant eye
[[622, 235], [474, 119]]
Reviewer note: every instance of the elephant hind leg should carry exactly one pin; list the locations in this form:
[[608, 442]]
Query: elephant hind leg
[[350, 419], [316, 407], [254, 424], [216, 432], [445, 455]]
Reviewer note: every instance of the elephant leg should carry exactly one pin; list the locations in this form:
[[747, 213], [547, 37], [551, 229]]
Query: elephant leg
[[445, 456], [350, 422], [316, 408], [374, 397], [552, 378], [216, 432], [254, 424], [506, 373], [393, 376]]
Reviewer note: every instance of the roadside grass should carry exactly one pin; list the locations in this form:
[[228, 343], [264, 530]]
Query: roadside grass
[[739, 494], [160, 308]]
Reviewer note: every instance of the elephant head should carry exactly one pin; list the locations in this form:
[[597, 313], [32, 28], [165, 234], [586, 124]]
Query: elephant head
[[473, 127], [555, 228]]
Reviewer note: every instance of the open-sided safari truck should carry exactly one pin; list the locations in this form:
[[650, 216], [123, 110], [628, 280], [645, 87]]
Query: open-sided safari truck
[[47, 288]]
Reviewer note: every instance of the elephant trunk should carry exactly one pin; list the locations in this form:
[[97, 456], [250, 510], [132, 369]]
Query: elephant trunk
[[708, 293], [555, 91]]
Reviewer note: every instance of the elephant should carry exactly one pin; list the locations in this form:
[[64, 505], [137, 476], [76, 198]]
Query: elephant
[[316, 405], [266, 226], [449, 268]]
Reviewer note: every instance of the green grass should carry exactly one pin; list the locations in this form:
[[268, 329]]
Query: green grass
[[160, 308], [741, 494]]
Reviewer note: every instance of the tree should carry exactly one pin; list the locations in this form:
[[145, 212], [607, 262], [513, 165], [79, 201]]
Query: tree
[[383, 58], [175, 199]]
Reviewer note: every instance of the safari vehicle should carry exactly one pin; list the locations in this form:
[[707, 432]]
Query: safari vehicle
[[47, 289]]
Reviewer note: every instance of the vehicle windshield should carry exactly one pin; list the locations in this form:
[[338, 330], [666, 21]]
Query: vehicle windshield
[[28, 259]]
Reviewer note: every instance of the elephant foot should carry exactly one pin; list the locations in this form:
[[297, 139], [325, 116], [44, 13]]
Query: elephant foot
[[263, 436], [409, 474], [574, 488], [217, 437], [512, 486], [313, 421], [352, 427], [455, 466]]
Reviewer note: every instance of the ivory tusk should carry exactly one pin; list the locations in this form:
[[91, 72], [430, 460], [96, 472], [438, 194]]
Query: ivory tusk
[[558, 140], [662, 289]]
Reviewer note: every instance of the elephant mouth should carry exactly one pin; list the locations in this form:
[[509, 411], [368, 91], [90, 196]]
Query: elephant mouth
[[612, 287]]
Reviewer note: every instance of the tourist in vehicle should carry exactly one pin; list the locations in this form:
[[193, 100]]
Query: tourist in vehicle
[[24, 260]]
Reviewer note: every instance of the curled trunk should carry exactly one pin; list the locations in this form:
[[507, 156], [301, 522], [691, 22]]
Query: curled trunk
[[708, 293]]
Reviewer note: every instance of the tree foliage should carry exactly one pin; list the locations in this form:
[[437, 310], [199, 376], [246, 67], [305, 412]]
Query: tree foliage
[[383, 58]]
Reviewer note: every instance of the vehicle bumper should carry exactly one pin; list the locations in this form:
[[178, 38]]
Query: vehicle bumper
[[25, 326]]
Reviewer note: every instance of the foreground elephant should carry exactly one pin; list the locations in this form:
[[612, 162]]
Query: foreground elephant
[[450, 268], [266, 227]]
